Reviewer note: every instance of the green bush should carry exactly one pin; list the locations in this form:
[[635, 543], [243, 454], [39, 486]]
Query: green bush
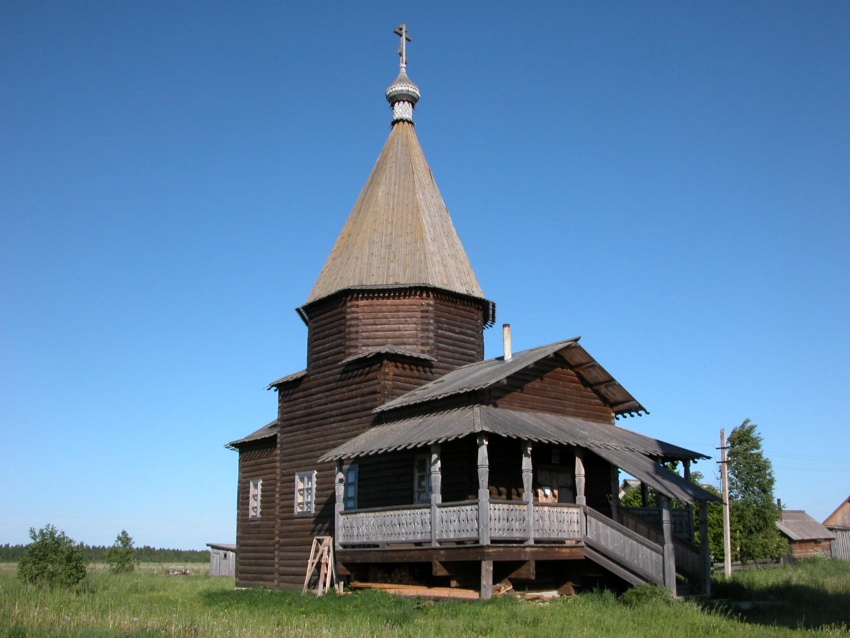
[[52, 559], [120, 557], [647, 594]]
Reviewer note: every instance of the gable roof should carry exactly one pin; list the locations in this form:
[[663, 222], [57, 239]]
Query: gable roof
[[481, 375], [626, 449], [399, 231], [799, 526], [841, 516]]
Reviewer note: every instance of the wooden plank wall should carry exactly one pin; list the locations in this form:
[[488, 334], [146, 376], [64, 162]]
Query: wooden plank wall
[[255, 560], [549, 386]]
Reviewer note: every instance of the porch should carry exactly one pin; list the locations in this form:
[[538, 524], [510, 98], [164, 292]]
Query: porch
[[505, 532], [555, 512]]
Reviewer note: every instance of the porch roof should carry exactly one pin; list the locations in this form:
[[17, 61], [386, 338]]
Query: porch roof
[[626, 449]]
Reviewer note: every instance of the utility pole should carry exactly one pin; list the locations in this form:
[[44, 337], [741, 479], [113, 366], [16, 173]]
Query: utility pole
[[724, 483]]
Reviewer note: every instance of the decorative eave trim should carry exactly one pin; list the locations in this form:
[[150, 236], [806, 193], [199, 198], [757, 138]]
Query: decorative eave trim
[[296, 376], [388, 352], [488, 307]]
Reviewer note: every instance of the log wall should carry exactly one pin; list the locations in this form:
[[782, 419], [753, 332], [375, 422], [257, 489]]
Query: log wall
[[333, 403], [255, 559], [549, 386]]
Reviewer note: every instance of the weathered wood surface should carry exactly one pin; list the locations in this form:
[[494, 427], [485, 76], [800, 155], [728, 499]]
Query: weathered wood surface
[[550, 386], [681, 518], [333, 402], [458, 522], [689, 562], [625, 546]]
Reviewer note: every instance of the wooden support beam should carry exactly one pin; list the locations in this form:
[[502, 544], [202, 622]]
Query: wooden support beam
[[527, 493], [339, 501], [669, 553], [526, 571], [483, 493], [436, 492], [486, 591], [687, 474], [438, 569], [704, 549]]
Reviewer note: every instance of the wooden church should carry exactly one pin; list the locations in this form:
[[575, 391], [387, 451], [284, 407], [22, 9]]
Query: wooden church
[[426, 462]]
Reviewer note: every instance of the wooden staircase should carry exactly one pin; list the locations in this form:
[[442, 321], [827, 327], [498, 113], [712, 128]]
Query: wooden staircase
[[635, 553]]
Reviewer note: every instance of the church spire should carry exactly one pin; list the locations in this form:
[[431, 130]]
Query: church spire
[[403, 94], [399, 233]]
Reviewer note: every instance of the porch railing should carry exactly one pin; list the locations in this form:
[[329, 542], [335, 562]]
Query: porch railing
[[508, 521], [681, 518]]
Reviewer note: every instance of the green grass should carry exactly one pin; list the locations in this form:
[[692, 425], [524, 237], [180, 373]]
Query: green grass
[[812, 600]]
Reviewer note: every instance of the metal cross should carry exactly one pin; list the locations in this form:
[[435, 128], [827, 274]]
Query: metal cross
[[402, 51]]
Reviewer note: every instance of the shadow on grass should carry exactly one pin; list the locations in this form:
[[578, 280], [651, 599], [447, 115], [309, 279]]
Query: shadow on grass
[[368, 607], [785, 604]]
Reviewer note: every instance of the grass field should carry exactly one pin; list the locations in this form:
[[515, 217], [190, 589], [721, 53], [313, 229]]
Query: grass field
[[812, 599]]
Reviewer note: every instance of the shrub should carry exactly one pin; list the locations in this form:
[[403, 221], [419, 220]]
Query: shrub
[[52, 559], [647, 594], [121, 557]]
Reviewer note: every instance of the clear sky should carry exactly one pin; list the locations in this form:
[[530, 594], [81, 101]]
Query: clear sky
[[669, 180]]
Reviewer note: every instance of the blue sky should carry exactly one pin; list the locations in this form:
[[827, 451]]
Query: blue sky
[[667, 179]]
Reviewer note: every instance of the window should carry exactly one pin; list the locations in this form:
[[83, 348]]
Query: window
[[350, 495], [305, 493], [254, 493], [422, 479]]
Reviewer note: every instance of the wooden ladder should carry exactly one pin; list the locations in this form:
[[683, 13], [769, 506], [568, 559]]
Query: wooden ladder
[[322, 555]]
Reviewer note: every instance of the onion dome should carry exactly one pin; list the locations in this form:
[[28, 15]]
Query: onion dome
[[403, 94]]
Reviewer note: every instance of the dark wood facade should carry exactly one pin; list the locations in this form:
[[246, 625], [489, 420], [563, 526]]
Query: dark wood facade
[[364, 348]]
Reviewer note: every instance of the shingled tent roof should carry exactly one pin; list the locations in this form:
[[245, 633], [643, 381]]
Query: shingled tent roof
[[399, 232], [478, 376]]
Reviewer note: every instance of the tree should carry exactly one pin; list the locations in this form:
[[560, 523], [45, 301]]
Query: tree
[[52, 559], [121, 556], [752, 509]]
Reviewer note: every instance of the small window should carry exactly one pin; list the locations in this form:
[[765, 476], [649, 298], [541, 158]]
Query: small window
[[254, 494], [350, 495], [305, 493], [421, 479]]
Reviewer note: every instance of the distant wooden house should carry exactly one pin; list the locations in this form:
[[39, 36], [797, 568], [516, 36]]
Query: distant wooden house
[[839, 524], [420, 457], [806, 537], [222, 559]]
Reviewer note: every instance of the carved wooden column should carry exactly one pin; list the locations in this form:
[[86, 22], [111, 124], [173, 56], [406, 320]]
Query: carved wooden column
[[581, 499], [339, 502], [527, 493], [483, 491], [704, 548], [615, 492], [669, 554], [687, 472], [436, 492]]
